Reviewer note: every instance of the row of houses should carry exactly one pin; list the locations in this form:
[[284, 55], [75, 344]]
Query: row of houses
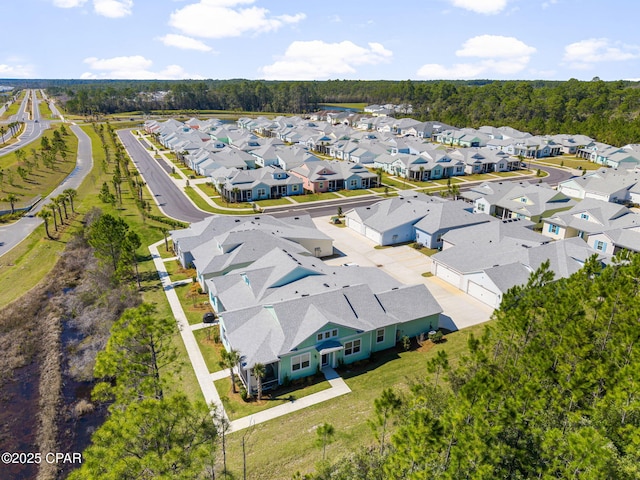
[[488, 243], [279, 305]]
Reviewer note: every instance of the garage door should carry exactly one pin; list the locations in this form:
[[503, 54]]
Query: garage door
[[482, 294], [372, 234], [355, 225], [448, 275]]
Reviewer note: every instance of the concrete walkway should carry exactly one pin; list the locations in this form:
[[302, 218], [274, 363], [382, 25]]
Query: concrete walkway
[[338, 387], [209, 391], [206, 378]]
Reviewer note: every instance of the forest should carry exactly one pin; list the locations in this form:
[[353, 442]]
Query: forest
[[551, 390], [606, 111]]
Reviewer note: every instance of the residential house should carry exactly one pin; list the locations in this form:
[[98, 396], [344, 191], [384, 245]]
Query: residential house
[[391, 221], [299, 229], [530, 201], [590, 217], [329, 176], [486, 269], [253, 185], [606, 184]]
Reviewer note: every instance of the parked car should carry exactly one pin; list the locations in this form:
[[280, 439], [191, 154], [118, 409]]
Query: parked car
[[208, 318]]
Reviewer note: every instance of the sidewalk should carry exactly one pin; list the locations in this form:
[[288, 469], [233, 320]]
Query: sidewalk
[[338, 388], [209, 391]]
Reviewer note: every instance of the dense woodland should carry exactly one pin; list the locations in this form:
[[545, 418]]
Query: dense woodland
[[550, 391], [606, 111]]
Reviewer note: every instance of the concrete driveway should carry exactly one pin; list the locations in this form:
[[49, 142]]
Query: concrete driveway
[[407, 266]]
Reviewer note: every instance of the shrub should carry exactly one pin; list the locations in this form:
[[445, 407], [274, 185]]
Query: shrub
[[406, 343], [244, 394]]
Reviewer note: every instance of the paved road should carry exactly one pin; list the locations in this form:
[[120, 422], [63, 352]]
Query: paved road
[[12, 235], [171, 200], [34, 127]]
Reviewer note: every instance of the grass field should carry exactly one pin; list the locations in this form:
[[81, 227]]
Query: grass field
[[209, 349], [571, 162], [238, 408], [275, 202], [42, 179], [314, 197]]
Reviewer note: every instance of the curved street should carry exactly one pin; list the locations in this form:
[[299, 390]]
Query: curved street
[[12, 235]]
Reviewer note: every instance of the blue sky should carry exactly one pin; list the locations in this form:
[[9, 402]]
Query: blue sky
[[328, 39]]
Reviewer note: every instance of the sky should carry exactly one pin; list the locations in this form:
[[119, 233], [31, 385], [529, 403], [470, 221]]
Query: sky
[[320, 40]]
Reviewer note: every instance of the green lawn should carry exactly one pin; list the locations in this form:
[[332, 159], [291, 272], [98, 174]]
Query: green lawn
[[238, 408], [44, 109], [279, 448], [314, 197], [394, 182], [209, 349], [354, 193], [445, 181], [207, 189], [274, 202], [42, 180], [570, 161], [193, 303], [176, 271]]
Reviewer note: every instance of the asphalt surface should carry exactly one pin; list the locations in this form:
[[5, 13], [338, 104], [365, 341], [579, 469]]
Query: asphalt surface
[[33, 127], [171, 200]]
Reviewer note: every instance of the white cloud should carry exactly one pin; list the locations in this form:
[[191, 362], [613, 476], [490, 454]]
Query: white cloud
[[106, 8], [498, 55], [494, 46], [486, 7], [68, 3], [134, 67], [113, 8], [224, 18], [585, 53], [458, 71], [315, 60], [16, 71], [184, 43], [546, 5]]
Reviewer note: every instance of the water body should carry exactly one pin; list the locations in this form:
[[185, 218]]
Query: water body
[[322, 106]]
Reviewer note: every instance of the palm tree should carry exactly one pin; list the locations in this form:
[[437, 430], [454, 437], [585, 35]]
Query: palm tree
[[56, 204], [230, 358], [71, 194], [52, 207], [259, 371], [45, 215], [236, 190], [62, 199], [12, 198], [2, 132]]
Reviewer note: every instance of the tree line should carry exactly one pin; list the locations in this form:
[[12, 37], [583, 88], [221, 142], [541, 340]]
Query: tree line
[[607, 111]]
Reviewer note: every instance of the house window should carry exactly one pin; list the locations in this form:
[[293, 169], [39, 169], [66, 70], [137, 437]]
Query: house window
[[261, 192], [321, 185], [523, 200], [584, 216], [601, 246], [480, 207], [554, 229], [294, 188], [300, 362], [353, 183], [380, 335], [351, 348], [327, 334]]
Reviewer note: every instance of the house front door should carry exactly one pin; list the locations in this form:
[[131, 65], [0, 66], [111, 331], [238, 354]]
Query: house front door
[[325, 360]]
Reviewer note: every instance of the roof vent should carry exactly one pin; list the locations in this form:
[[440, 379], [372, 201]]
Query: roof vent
[[305, 294], [237, 220]]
